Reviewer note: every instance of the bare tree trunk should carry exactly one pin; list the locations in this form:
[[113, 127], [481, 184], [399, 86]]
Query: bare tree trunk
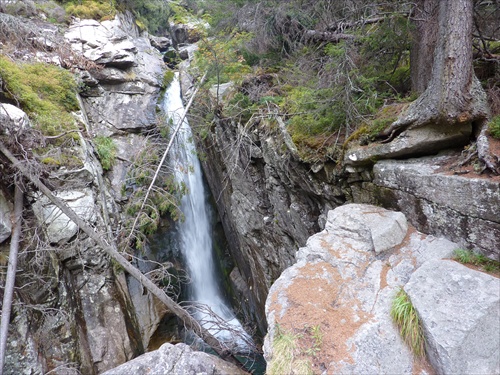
[[11, 273], [100, 239], [425, 19]]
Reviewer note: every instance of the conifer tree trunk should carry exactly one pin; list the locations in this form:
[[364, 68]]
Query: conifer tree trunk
[[425, 20], [454, 95]]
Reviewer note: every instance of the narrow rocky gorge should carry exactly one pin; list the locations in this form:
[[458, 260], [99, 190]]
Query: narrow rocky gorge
[[319, 251]]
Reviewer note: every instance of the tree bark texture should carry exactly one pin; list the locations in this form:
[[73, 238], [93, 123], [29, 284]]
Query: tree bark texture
[[425, 20], [11, 274], [453, 95]]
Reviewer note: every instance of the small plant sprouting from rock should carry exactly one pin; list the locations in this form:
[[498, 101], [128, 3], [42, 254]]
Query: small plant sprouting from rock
[[286, 355], [317, 337], [405, 316], [479, 260], [106, 149]]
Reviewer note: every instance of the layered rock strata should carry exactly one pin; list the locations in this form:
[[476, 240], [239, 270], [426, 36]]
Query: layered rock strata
[[436, 201]]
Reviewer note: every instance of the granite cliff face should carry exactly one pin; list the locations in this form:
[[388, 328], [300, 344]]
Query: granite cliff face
[[268, 201], [82, 317], [463, 208]]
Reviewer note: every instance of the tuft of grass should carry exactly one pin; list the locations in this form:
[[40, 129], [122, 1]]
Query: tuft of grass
[[168, 78], [285, 352], [405, 316], [106, 149], [465, 256], [317, 338]]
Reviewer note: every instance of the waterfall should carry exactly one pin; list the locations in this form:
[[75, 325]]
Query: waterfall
[[195, 231]]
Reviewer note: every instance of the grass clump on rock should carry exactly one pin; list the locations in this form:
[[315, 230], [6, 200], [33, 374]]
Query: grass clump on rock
[[479, 260], [405, 316], [106, 149], [494, 126], [286, 351]]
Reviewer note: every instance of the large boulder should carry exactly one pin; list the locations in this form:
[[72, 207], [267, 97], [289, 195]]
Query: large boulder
[[61, 228], [5, 221], [342, 286], [161, 43], [385, 229], [176, 360], [104, 43], [460, 311]]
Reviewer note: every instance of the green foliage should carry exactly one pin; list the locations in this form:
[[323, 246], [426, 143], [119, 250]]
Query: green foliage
[[180, 14], [60, 154], [385, 54], [168, 77], [152, 15], [91, 9], [286, 351], [53, 11], [405, 316], [317, 337], [369, 131], [494, 126], [324, 90], [469, 257], [106, 149], [222, 59], [45, 92], [163, 199], [313, 111]]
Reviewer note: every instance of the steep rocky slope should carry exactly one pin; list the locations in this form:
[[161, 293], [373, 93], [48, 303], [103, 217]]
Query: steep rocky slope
[[81, 315], [335, 301], [84, 315]]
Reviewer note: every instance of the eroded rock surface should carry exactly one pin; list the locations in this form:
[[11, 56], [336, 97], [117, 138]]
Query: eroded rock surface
[[123, 95], [343, 287], [464, 209], [410, 143], [176, 360], [59, 227], [269, 202], [460, 310], [12, 119]]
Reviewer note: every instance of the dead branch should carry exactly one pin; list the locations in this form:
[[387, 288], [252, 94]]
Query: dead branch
[[160, 164], [181, 313], [11, 273], [327, 36]]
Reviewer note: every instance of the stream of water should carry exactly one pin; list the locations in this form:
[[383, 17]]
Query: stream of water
[[195, 231]]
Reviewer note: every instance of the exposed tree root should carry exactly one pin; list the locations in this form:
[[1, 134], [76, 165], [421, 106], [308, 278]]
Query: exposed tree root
[[484, 153]]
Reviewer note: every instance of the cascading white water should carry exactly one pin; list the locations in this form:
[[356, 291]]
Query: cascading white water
[[195, 232]]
